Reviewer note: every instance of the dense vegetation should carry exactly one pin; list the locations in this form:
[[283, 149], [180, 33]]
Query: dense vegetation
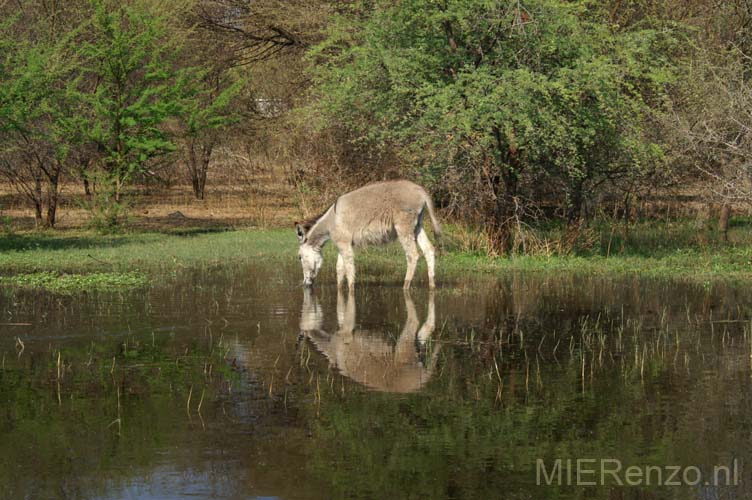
[[518, 115]]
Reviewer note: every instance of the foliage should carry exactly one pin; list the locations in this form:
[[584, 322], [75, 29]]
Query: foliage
[[102, 90], [139, 88], [517, 115], [37, 97], [212, 107], [536, 99], [106, 213], [212, 110]]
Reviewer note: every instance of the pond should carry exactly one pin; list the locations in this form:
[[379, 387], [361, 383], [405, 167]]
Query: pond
[[234, 382]]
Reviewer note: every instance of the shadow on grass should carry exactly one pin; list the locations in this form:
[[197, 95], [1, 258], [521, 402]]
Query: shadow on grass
[[659, 240], [196, 231], [46, 241], [62, 241]]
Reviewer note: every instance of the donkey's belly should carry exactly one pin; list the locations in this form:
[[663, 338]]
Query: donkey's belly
[[375, 236]]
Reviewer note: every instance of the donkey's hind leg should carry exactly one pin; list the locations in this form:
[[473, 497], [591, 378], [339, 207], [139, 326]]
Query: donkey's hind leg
[[407, 239], [428, 252]]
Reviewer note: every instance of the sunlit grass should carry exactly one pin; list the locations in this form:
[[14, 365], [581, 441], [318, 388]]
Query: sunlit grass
[[676, 250], [87, 251]]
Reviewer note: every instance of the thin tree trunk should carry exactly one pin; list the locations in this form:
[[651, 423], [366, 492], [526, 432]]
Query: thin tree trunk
[[199, 168], [193, 169], [723, 221], [574, 213], [505, 187], [37, 201], [52, 198], [505, 190], [38, 214], [51, 210], [205, 161], [118, 184], [201, 184], [627, 214]]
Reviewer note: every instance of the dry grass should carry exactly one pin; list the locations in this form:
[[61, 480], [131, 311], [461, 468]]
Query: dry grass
[[267, 202], [245, 191]]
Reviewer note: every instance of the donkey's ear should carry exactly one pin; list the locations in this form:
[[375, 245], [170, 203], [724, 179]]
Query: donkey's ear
[[300, 231]]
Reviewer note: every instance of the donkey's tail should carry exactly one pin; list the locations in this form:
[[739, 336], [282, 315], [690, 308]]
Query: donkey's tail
[[432, 214]]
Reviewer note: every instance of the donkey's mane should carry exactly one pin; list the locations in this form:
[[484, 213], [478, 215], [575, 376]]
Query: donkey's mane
[[309, 223], [313, 220]]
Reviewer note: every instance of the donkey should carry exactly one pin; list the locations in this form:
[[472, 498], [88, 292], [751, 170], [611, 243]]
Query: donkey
[[374, 214], [368, 357]]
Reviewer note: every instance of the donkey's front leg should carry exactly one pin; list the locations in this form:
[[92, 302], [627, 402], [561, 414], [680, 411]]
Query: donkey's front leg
[[349, 259], [340, 270], [345, 265]]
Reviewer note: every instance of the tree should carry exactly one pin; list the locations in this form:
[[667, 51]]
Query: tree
[[208, 114], [254, 52], [37, 90], [260, 30], [136, 87], [508, 98]]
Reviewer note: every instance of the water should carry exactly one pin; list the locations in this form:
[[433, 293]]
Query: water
[[236, 383]]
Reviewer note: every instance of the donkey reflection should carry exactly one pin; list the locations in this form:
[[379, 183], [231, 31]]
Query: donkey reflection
[[366, 356]]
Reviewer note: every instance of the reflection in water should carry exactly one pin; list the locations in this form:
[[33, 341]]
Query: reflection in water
[[200, 388], [367, 357]]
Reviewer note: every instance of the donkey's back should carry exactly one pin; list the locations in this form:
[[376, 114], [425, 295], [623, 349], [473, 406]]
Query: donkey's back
[[386, 195], [378, 212]]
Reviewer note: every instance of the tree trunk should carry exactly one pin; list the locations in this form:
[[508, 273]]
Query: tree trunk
[[37, 214], [37, 198], [638, 209], [723, 221], [574, 212], [52, 199], [626, 215], [200, 185], [51, 210], [505, 187], [703, 222], [193, 169], [627, 210], [199, 168]]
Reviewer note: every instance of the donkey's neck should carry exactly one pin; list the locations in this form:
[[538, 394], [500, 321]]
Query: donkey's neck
[[321, 229]]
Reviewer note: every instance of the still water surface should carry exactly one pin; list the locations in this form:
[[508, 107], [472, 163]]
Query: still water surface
[[236, 383]]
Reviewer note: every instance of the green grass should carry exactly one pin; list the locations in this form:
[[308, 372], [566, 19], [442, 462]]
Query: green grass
[[69, 261], [80, 261], [68, 283], [76, 252]]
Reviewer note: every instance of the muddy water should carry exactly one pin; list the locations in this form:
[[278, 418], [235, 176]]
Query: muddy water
[[235, 383]]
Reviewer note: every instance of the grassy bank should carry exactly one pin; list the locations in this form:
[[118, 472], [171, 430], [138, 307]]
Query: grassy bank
[[66, 261]]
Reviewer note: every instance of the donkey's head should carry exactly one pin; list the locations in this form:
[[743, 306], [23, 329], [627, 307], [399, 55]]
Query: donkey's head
[[309, 255]]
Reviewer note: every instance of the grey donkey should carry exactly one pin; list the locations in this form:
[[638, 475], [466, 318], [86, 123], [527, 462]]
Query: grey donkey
[[374, 214]]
